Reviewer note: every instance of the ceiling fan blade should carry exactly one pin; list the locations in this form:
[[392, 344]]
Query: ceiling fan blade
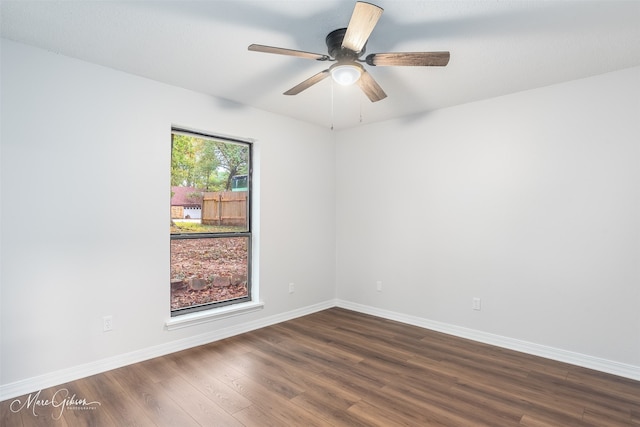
[[364, 18], [370, 87], [409, 59], [308, 83], [290, 52]]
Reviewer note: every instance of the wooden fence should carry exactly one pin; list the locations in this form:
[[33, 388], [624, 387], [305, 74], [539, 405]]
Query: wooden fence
[[224, 208], [177, 212]]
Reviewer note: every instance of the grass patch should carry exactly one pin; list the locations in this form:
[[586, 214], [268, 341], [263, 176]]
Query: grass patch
[[194, 227]]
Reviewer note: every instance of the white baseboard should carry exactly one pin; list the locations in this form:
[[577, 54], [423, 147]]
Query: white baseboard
[[30, 385], [603, 365]]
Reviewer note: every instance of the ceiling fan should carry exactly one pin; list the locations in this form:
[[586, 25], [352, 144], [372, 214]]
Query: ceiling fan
[[347, 45]]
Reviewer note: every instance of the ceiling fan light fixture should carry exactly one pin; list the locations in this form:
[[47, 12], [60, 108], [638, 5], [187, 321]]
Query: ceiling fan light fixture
[[346, 74]]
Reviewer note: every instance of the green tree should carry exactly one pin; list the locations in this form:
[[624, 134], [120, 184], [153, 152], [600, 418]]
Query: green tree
[[206, 165], [183, 159], [234, 160]]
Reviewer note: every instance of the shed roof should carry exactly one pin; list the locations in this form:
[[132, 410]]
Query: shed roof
[[186, 196]]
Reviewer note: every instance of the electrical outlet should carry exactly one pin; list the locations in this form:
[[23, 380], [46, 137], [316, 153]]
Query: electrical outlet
[[292, 288], [107, 323], [379, 286], [476, 303]]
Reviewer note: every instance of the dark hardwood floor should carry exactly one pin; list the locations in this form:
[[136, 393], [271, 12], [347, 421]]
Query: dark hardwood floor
[[339, 368]]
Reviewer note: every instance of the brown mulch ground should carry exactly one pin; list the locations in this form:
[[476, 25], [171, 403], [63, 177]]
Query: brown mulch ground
[[218, 265]]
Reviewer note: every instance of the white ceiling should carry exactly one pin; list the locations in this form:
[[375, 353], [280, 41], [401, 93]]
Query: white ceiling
[[497, 47]]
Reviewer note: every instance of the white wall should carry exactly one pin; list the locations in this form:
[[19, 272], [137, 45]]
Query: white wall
[[529, 201], [79, 136]]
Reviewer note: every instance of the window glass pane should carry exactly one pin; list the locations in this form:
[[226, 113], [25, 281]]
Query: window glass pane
[[209, 185], [210, 225], [208, 270]]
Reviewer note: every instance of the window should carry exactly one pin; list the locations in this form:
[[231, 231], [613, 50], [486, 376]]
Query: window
[[210, 221]]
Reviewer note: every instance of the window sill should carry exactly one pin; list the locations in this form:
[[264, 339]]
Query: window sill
[[200, 317]]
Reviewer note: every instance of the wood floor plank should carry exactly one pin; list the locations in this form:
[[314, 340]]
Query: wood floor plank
[[600, 419], [116, 402], [532, 421], [493, 408], [617, 388], [432, 409], [272, 377], [533, 391], [155, 403], [254, 416], [207, 357], [342, 368], [84, 408], [159, 369], [9, 418], [200, 407], [271, 406], [328, 406], [202, 376], [28, 420], [317, 361], [305, 374], [380, 416]]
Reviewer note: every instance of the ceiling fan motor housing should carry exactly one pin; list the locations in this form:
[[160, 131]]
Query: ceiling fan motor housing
[[339, 53]]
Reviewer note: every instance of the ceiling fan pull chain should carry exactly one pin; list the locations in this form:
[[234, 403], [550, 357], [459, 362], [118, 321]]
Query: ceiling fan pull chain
[[332, 115]]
